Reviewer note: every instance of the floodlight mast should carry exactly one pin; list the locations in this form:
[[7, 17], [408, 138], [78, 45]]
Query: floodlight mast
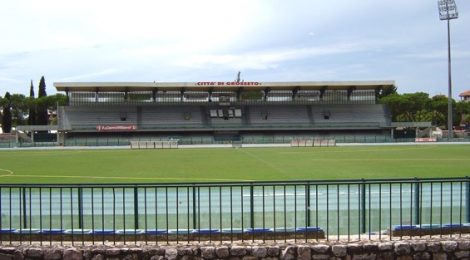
[[448, 11]]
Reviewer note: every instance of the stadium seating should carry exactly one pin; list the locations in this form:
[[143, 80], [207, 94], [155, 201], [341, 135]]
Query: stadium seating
[[90, 117], [262, 115], [172, 117], [349, 114], [167, 116]]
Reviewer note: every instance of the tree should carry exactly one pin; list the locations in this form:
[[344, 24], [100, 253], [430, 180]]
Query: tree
[[387, 91], [42, 88], [439, 104], [32, 106], [462, 110], [42, 116], [398, 105], [19, 109], [6, 118]]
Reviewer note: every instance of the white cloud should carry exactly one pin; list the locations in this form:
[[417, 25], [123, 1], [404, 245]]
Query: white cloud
[[125, 40], [89, 75]]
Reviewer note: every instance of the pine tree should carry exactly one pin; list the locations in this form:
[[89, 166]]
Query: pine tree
[[42, 117], [6, 118], [32, 106]]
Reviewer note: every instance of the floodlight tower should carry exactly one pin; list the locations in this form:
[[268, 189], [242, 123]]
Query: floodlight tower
[[448, 11]]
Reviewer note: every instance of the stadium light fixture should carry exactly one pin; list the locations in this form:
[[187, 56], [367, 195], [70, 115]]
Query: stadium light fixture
[[448, 11]]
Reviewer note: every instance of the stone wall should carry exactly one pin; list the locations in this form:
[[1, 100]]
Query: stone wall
[[401, 250]]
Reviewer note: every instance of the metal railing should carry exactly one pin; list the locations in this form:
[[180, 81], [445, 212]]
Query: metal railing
[[188, 212], [202, 140]]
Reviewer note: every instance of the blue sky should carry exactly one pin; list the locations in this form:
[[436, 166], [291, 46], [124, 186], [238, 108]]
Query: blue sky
[[211, 40]]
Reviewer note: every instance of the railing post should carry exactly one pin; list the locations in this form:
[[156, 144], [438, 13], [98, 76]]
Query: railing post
[[25, 218], [417, 202], [136, 208], [467, 196], [80, 207], [307, 203], [194, 204], [363, 206], [252, 207]]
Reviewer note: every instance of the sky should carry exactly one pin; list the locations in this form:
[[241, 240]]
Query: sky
[[211, 40]]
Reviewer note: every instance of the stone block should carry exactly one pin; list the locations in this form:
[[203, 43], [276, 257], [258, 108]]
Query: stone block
[[433, 247], [405, 257], [387, 246], [354, 249], [422, 256], [113, 251], [34, 252], [321, 257], [339, 250], [464, 245], [222, 252], [98, 250], [249, 258], [289, 253], [171, 253], [7, 250], [259, 251], [53, 253], [304, 252], [449, 246], [5, 256], [418, 246], [364, 257], [321, 249], [184, 251], [462, 254], [73, 254], [157, 251], [370, 247], [402, 248], [98, 257], [385, 255], [208, 252], [238, 251], [439, 256], [273, 251]]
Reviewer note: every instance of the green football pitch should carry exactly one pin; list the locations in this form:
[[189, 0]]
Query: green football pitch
[[226, 165]]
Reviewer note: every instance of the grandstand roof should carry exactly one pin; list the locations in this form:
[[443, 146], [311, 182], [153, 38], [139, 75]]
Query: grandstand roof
[[220, 86]]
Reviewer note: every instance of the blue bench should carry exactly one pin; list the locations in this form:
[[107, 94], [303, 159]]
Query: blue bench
[[27, 231], [205, 231], [7, 231], [54, 231], [103, 232], [258, 230], [129, 232], [154, 232], [77, 231], [404, 228], [308, 229]]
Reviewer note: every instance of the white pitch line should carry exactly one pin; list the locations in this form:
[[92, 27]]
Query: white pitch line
[[5, 175], [267, 163]]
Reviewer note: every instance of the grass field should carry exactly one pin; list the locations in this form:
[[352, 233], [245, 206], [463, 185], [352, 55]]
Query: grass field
[[201, 165]]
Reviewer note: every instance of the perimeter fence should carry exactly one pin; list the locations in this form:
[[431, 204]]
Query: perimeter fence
[[351, 210], [208, 140]]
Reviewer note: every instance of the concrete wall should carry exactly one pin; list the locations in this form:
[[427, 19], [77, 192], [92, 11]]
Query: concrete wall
[[401, 250]]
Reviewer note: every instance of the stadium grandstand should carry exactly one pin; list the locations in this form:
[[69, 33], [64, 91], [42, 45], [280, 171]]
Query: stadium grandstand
[[222, 110]]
